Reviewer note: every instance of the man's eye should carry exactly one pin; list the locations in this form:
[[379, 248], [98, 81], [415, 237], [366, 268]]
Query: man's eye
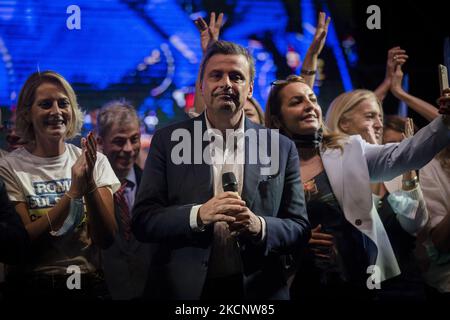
[[119, 142]]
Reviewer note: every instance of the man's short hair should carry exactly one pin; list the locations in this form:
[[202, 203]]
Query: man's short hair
[[227, 48], [117, 111]]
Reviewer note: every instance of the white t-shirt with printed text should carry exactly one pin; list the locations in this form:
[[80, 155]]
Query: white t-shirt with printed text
[[40, 183]]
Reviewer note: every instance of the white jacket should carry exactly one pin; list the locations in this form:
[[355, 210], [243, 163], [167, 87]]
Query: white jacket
[[351, 172]]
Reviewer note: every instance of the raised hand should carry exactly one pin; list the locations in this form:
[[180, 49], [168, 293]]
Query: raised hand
[[409, 128], [320, 35], [309, 66], [209, 34], [444, 106], [444, 102], [89, 146], [396, 56], [83, 168]]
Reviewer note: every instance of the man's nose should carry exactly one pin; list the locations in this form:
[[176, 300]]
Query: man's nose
[[128, 147], [226, 82]]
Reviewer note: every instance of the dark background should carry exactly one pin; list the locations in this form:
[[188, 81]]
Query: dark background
[[106, 59]]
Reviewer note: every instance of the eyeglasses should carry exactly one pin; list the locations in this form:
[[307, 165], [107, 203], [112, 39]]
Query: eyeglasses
[[290, 79], [279, 82]]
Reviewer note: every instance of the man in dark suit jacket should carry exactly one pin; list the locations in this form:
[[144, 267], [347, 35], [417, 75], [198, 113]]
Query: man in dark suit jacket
[[125, 263], [208, 243]]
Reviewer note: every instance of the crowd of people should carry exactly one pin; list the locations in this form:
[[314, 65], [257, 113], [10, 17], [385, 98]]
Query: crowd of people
[[357, 206]]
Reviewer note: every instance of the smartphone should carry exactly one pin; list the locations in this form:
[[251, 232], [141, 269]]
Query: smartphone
[[443, 78]]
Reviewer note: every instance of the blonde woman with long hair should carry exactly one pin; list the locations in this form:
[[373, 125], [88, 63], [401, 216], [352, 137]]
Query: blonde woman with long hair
[[399, 202]]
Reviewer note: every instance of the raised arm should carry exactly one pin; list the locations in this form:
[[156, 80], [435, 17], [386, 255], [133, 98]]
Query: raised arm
[[423, 108], [390, 160], [309, 66]]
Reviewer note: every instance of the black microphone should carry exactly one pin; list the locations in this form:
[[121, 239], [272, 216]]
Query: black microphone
[[229, 182]]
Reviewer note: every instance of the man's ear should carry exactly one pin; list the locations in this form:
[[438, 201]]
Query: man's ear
[[250, 92], [200, 86]]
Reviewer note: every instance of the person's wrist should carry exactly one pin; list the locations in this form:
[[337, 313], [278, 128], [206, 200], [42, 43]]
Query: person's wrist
[[307, 72], [200, 222], [398, 91], [388, 76], [74, 194], [258, 232], [408, 176], [395, 92], [410, 184]]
